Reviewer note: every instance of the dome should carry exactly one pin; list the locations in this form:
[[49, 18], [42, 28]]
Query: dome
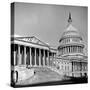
[[70, 31], [71, 42]]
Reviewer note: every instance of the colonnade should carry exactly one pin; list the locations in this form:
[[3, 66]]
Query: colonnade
[[71, 49], [24, 55], [80, 67]]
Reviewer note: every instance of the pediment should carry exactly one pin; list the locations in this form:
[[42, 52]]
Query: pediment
[[32, 39]]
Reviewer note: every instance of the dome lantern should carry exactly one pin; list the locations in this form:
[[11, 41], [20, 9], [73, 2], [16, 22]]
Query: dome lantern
[[69, 19]]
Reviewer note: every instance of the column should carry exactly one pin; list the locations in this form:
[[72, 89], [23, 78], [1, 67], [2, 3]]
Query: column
[[72, 69], [19, 55], [35, 57], [44, 58], [67, 50], [48, 58], [78, 49], [25, 55], [70, 49], [52, 55], [30, 57], [55, 56], [73, 49], [60, 50], [63, 50], [14, 53], [81, 50], [81, 68], [39, 57]]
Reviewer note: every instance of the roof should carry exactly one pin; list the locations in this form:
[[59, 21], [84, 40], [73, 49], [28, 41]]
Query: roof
[[32, 39], [70, 31]]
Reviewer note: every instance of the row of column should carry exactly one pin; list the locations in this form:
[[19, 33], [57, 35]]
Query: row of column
[[19, 57], [71, 49], [79, 66]]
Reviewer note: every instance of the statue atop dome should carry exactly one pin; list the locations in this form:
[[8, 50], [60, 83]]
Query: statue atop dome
[[69, 19]]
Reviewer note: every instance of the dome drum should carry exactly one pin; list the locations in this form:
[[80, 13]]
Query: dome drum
[[65, 37], [70, 49], [71, 44]]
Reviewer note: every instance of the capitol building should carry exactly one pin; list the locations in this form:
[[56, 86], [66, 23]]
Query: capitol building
[[30, 53], [71, 59]]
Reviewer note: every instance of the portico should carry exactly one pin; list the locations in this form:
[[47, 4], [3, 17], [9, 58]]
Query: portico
[[30, 54]]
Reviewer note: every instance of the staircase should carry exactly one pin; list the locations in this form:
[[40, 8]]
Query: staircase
[[42, 74], [46, 74]]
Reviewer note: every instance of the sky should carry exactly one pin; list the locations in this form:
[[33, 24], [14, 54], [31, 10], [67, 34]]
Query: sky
[[48, 22]]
